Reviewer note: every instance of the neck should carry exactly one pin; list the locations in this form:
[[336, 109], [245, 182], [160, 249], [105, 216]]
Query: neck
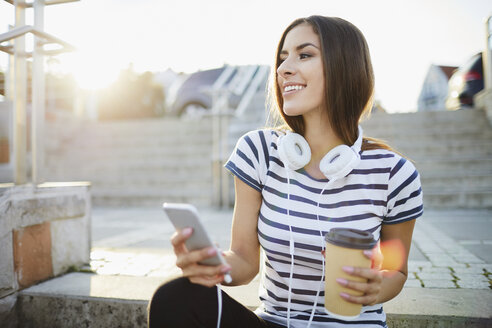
[[320, 136]]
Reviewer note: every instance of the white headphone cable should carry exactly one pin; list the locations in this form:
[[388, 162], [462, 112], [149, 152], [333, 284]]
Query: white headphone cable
[[322, 258], [291, 251], [219, 301]]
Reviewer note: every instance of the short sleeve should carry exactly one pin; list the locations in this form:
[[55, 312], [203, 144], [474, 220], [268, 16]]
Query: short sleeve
[[249, 160], [404, 201]]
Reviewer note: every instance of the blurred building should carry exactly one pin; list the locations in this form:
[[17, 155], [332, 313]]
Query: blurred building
[[435, 88]]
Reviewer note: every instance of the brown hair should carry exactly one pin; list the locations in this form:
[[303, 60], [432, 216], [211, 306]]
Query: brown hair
[[349, 78]]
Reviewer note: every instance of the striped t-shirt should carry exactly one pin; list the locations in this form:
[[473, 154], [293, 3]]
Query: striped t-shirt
[[384, 188]]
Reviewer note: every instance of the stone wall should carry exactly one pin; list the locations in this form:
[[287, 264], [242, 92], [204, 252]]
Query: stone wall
[[44, 232]]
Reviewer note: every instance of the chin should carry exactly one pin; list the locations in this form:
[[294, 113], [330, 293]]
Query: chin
[[293, 111]]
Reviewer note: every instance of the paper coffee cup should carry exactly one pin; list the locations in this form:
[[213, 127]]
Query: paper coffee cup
[[344, 247]]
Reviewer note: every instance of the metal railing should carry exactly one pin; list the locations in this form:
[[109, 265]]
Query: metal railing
[[13, 42], [483, 99], [246, 82], [487, 54]]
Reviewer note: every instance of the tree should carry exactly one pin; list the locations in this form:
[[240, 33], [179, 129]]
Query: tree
[[131, 96]]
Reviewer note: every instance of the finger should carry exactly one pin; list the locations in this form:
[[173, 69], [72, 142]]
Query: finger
[[195, 256], [178, 239], [363, 287], [205, 270], [376, 257], [370, 274], [364, 299]]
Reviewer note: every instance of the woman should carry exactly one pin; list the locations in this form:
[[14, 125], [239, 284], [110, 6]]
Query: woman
[[323, 84]]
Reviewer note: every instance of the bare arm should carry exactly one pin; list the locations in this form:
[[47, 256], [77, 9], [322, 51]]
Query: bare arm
[[243, 255], [387, 282], [396, 240], [244, 252]]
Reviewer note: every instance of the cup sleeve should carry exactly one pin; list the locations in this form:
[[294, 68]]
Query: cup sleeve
[[405, 199], [248, 160]]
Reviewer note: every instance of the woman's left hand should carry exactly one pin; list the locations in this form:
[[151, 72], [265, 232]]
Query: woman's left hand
[[374, 276]]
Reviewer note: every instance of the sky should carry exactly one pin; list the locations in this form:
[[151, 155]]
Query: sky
[[404, 37]]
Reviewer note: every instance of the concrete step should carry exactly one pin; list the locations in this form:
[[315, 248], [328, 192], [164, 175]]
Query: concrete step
[[144, 164], [451, 150], [150, 195], [146, 176], [104, 137], [142, 177], [89, 300], [138, 141], [426, 136], [169, 161], [147, 151], [152, 174], [472, 198], [410, 128], [461, 180], [448, 146], [481, 164], [171, 184], [114, 199], [426, 119], [466, 148], [151, 125]]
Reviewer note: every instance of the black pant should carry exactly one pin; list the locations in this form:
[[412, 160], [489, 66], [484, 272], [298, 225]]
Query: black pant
[[180, 303]]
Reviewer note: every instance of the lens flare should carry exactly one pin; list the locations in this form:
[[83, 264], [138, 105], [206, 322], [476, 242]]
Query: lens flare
[[394, 254]]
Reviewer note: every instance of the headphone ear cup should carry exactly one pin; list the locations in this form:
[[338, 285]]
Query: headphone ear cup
[[294, 151], [339, 162]]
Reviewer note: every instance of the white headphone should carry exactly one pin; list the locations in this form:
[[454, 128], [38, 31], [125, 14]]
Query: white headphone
[[295, 153]]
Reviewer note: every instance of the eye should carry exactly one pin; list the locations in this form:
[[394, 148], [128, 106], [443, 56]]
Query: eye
[[304, 56]]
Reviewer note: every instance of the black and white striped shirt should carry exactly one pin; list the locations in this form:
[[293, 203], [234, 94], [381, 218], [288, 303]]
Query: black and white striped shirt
[[383, 189]]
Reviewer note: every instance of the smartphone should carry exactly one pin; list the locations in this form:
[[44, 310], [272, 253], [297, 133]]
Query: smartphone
[[186, 215]]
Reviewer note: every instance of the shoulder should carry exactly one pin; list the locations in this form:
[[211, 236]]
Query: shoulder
[[259, 134], [388, 159], [261, 139]]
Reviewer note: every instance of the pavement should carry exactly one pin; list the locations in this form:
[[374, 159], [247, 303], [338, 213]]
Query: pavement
[[449, 283], [451, 249]]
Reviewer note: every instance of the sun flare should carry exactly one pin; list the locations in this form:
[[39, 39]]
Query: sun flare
[[90, 71], [393, 254]]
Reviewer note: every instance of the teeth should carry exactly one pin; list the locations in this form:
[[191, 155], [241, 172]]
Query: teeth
[[293, 87]]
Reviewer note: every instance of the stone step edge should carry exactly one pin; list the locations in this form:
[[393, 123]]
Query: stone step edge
[[415, 307]]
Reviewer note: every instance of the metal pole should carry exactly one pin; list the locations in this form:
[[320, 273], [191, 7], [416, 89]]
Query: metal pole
[[10, 74], [487, 54], [20, 95], [224, 140], [38, 97], [216, 201]]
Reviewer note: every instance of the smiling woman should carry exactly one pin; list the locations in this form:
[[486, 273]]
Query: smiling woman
[[322, 83]]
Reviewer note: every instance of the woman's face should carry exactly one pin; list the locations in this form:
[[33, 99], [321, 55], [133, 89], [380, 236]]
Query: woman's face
[[300, 75]]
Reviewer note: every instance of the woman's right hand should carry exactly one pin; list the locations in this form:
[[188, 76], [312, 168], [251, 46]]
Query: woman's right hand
[[187, 261]]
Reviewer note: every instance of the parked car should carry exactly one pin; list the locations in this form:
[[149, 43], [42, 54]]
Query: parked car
[[465, 82], [192, 96]]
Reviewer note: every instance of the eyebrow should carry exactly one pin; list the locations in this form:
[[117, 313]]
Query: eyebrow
[[300, 47]]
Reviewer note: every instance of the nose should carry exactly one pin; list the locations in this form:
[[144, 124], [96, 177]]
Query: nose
[[285, 68]]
